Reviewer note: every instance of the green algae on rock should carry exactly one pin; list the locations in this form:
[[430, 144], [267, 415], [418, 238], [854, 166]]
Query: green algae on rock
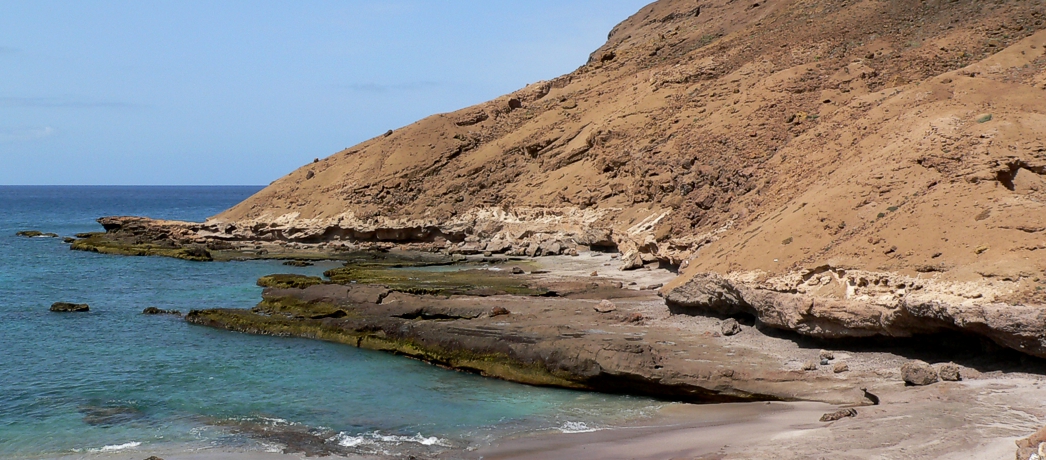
[[98, 242], [478, 282], [287, 281]]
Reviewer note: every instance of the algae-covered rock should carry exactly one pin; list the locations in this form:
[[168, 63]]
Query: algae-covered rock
[[297, 263], [66, 307], [289, 281]]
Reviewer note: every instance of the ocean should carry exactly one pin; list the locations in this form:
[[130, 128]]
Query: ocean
[[114, 380]]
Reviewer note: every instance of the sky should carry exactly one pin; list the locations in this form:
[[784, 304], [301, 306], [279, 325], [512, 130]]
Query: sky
[[240, 93]]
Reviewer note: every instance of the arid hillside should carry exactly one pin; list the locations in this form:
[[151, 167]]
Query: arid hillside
[[857, 151]]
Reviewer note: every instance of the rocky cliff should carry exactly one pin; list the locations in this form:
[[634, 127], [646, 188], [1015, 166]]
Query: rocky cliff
[[868, 167]]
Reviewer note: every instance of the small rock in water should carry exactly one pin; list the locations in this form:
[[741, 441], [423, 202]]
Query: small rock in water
[[831, 417], [157, 311], [810, 366], [499, 311], [918, 373], [36, 234], [65, 307], [840, 368], [517, 271], [730, 327], [825, 354], [68, 239], [605, 306], [297, 263], [949, 372], [154, 458]]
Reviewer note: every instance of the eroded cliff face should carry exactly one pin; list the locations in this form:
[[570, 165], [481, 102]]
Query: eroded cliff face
[[759, 141]]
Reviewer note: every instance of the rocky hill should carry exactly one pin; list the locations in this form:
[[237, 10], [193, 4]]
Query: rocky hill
[[837, 168]]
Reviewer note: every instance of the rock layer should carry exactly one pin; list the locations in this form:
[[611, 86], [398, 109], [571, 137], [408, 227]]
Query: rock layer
[[533, 344], [836, 303]]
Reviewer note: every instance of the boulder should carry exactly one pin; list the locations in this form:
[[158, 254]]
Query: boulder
[[499, 311], [730, 327], [517, 271], [918, 373], [825, 354], [949, 372], [839, 368], [605, 306], [1032, 446], [705, 293], [65, 307], [631, 261]]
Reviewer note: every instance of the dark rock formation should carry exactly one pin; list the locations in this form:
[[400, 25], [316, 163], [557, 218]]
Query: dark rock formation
[[157, 311], [65, 307], [36, 234]]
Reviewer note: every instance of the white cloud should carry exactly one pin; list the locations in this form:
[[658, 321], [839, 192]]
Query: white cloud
[[26, 134]]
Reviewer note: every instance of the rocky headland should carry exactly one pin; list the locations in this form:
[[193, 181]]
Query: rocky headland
[[830, 171]]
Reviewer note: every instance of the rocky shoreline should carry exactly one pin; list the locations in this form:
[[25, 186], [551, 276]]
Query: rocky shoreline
[[577, 321]]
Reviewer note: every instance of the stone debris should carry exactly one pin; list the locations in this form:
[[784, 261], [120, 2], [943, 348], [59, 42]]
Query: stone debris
[[825, 354], [810, 366], [605, 306], [499, 311], [838, 415], [840, 367], [949, 372], [730, 327], [919, 373]]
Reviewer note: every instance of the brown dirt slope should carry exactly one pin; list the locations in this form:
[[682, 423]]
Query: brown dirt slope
[[757, 140]]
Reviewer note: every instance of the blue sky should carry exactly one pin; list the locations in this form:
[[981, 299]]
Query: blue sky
[[227, 92]]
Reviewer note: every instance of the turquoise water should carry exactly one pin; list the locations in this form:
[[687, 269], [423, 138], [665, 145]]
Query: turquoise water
[[114, 379]]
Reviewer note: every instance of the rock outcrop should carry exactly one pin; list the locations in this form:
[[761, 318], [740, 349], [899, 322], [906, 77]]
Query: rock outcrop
[[830, 302], [65, 307]]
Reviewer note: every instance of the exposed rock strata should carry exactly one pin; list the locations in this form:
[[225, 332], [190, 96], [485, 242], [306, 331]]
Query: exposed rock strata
[[837, 303], [535, 344]]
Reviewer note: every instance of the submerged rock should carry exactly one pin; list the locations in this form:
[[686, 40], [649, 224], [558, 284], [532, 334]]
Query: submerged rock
[[36, 234], [157, 311], [66, 307], [109, 415], [918, 373], [297, 263]]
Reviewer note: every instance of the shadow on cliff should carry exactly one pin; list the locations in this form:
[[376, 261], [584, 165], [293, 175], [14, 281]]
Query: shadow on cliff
[[968, 350]]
